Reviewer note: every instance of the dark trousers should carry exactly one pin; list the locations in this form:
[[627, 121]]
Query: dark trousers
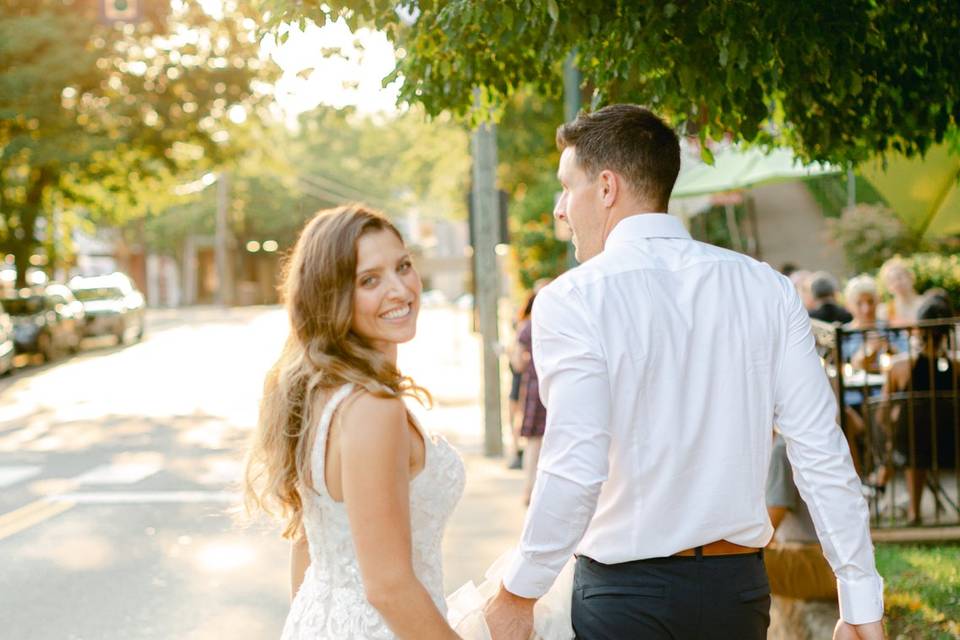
[[676, 598]]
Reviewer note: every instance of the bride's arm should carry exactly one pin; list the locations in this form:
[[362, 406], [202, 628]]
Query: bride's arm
[[375, 455], [299, 561]]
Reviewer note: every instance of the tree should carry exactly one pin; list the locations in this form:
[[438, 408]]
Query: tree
[[528, 163], [109, 116], [394, 164], [837, 81], [333, 157]]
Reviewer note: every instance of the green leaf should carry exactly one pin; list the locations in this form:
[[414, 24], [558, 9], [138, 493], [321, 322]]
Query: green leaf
[[856, 84], [706, 155]]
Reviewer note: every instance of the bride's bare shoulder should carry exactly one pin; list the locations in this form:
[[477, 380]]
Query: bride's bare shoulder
[[366, 414]]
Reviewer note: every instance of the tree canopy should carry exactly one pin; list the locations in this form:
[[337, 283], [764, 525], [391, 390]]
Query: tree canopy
[[106, 116], [837, 81], [333, 156]]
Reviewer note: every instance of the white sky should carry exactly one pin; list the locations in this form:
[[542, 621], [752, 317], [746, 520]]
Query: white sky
[[311, 78], [354, 78]]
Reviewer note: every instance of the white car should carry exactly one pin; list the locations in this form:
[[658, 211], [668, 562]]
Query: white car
[[112, 305]]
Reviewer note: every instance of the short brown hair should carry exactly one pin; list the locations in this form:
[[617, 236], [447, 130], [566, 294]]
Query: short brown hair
[[631, 141]]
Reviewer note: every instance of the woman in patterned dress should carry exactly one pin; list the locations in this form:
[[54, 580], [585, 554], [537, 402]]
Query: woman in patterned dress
[[534, 420]]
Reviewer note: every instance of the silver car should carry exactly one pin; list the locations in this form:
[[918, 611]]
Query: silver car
[[7, 350], [112, 305]]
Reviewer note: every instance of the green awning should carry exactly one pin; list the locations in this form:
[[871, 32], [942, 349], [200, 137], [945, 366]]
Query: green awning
[[736, 168]]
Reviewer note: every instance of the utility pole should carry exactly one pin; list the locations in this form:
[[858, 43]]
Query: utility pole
[[485, 231], [224, 280], [572, 79]]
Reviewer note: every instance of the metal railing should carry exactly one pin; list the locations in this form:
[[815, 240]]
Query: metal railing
[[898, 391]]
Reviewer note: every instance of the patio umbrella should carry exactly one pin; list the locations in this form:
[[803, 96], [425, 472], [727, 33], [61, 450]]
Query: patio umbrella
[[735, 168], [923, 192]]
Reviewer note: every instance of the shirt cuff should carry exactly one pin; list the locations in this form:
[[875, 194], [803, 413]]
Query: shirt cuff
[[861, 600], [527, 579]]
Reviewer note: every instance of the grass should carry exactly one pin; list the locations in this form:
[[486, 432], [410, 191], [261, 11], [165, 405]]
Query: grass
[[922, 593]]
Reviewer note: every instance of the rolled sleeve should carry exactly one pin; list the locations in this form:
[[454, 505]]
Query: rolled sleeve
[[806, 414], [573, 461]]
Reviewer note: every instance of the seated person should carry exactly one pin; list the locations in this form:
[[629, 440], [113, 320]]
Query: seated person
[[862, 348], [905, 302], [801, 280], [795, 564], [823, 289], [927, 376]]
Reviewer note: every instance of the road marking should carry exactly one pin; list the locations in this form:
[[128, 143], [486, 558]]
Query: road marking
[[146, 497], [32, 514], [119, 473], [45, 508], [13, 475]]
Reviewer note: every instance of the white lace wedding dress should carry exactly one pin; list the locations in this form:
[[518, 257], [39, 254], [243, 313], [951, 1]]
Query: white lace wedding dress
[[331, 604]]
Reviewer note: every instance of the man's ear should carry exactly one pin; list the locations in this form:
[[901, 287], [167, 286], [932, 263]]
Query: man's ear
[[609, 185]]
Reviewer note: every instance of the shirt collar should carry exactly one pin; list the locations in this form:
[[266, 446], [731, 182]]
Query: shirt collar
[[646, 225]]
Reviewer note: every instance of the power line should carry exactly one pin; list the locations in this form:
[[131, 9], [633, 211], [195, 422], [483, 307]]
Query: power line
[[337, 196]]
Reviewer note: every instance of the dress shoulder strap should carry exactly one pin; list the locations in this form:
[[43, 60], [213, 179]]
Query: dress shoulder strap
[[319, 454], [338, 396]]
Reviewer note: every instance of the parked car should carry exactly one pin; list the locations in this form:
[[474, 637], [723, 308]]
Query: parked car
[[48, 320], [112, 305], [7, 348]]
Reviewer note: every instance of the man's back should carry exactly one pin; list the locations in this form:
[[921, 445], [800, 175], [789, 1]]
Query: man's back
[[663, 365], [692, 336]]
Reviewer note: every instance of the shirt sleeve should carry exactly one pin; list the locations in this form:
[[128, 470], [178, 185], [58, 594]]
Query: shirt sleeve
[[806, 414], [573, 461]]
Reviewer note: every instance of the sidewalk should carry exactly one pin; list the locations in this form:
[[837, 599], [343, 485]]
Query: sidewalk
[[445, 359]]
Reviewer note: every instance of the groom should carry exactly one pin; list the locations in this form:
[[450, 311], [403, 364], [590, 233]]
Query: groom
[[664, 364]]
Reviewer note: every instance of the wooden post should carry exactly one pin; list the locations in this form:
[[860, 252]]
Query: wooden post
[[485, 231]]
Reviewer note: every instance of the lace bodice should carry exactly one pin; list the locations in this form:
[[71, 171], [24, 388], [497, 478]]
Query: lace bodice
[[331, 603]]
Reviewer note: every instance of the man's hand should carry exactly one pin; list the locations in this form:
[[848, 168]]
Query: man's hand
[[509, 617], [869, 631]]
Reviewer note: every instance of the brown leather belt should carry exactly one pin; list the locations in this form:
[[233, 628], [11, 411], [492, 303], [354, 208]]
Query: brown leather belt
[[719, 548]]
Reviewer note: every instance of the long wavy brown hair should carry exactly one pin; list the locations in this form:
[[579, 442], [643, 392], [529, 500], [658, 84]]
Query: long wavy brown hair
[[321, 354]]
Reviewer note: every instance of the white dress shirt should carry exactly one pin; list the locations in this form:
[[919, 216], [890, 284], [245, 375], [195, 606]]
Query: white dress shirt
[[664, 364]]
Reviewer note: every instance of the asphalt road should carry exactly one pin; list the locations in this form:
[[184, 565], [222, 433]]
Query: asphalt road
[[119, 469]]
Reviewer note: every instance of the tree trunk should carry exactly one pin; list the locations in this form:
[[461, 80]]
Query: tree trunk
[[22, 244], [24, 239]]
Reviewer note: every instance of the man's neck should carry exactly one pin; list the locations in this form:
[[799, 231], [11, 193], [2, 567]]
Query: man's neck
[[620, 213]]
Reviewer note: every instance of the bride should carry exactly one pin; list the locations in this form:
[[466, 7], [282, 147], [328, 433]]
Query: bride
[[363, 491]]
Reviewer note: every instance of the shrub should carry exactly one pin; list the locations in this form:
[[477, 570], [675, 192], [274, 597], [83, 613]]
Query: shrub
[[937, 270], [869, 234]]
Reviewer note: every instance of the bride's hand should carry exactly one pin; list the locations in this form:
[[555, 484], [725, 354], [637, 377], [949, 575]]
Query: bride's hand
[[509, 617]]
